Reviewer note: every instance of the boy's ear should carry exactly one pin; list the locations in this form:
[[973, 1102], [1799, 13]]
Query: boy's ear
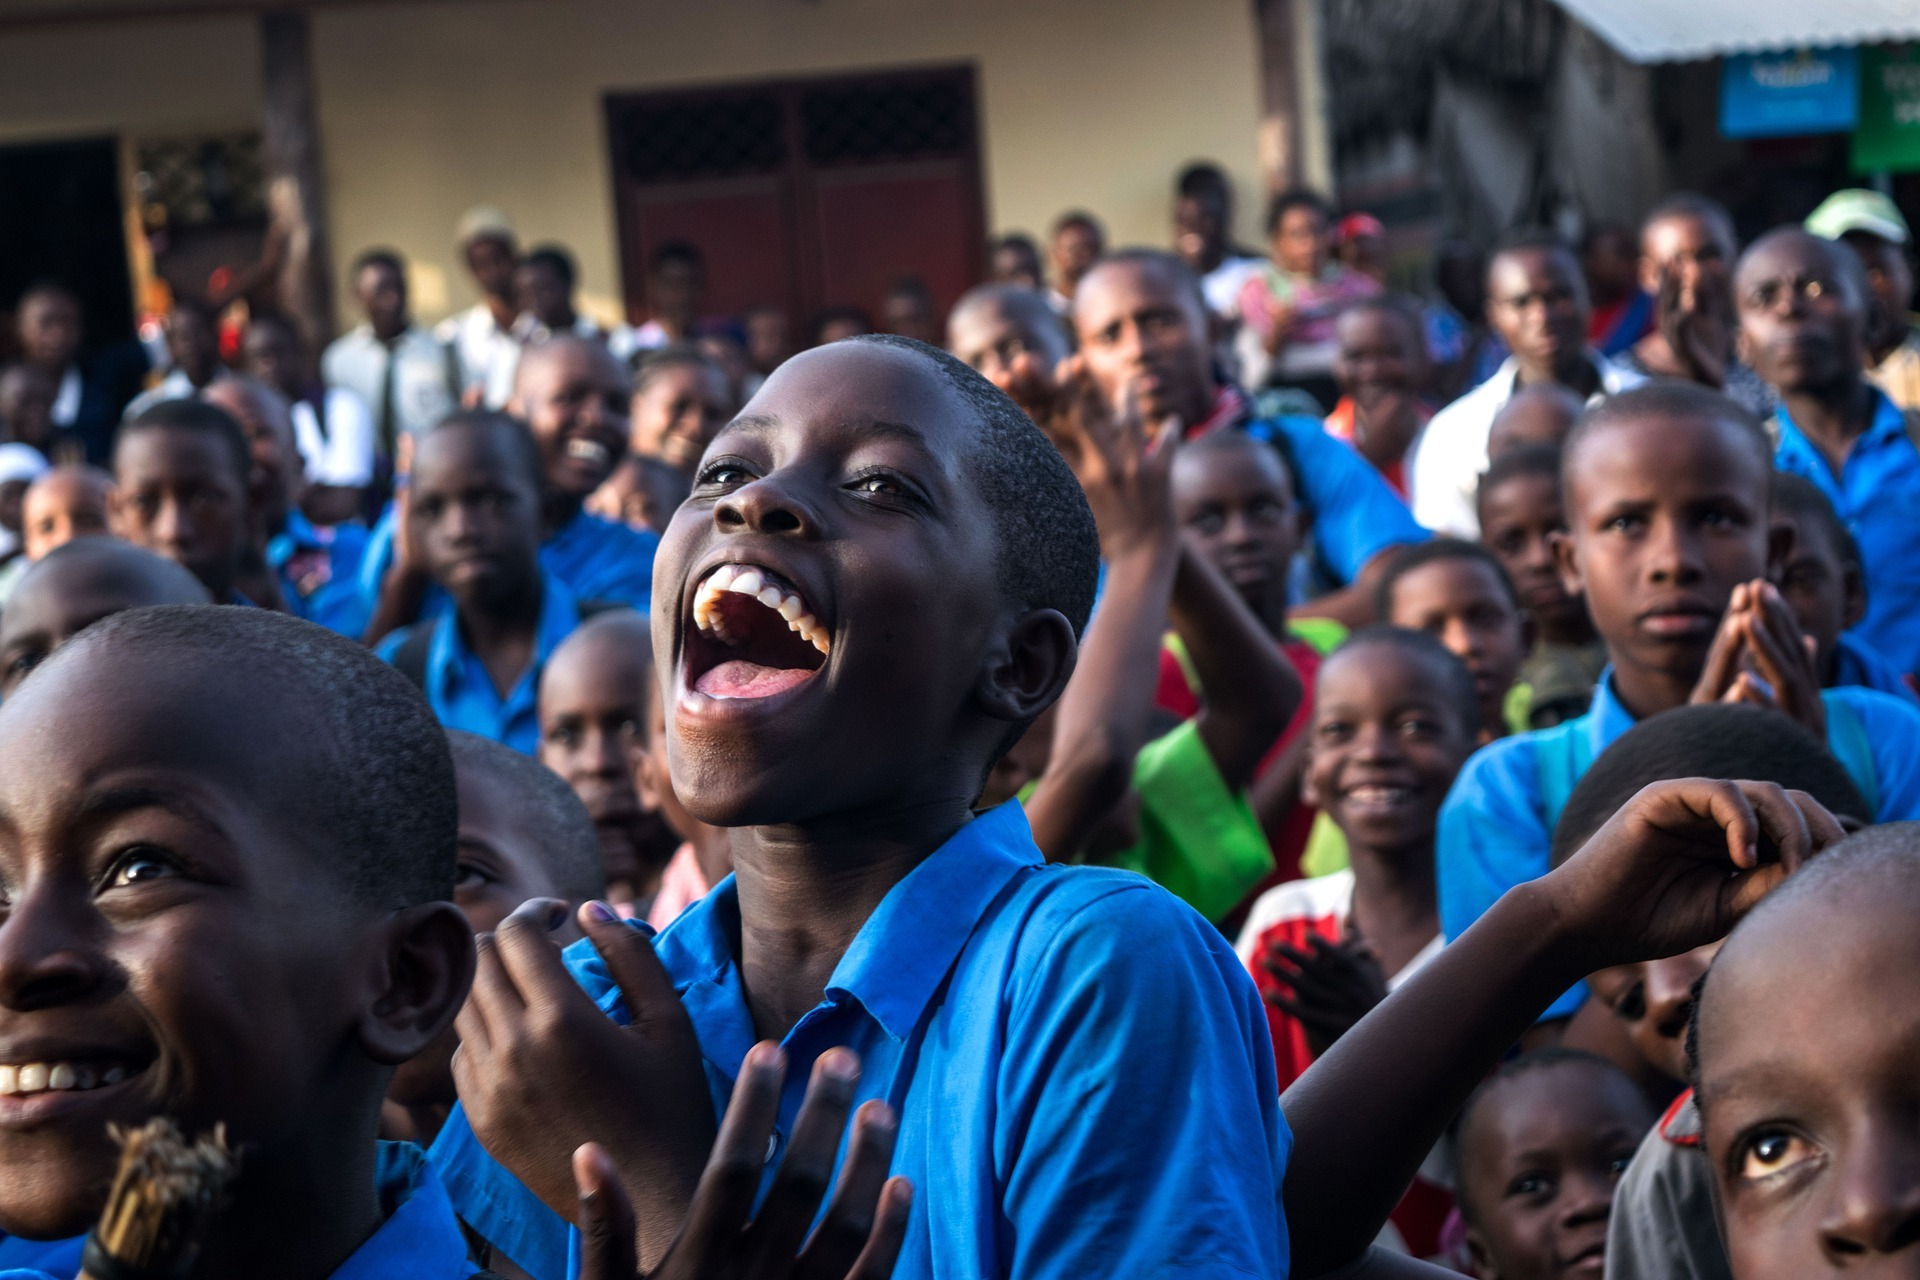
[[1477, 1254], [1028, 667], [1567, 560], [420, 982]]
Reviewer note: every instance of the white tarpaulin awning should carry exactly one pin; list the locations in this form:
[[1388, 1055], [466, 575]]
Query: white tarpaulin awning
[[1682, 30]]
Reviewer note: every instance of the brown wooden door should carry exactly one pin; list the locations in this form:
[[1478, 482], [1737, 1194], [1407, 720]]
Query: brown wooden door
[[804, 194]]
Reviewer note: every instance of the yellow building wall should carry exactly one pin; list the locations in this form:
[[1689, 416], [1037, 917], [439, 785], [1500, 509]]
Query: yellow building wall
[[429, 108]]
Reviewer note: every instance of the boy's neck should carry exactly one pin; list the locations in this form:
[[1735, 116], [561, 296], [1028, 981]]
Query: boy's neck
[[806, 892], [301, 1215], [1647, 692], [1396, 906], [1571, 631], [559, 509], [1839, 412], [505, 635]]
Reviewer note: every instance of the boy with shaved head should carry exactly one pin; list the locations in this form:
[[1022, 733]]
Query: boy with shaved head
[[1803, 311]]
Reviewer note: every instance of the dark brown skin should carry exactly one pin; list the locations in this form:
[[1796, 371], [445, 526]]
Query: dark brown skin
[[1807, 1034], [1381, 362], [1825, 590], [1381, 719], [76, 587], [1653, 1001], [179, 493], [1519, 520], [847, 476], [1537, 303], [382, 294], [1667, 517], [1673, 870], [1144, 340], [475, 517], [570, 390], [206, 937], [1539, 1161], [1803, 318], [1463, 604], [1686, 263]]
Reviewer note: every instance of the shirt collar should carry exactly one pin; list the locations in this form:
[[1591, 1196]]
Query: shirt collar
[[1608, 717], [1229, 409], [420, 1237], [1889, 422], [896, 962], [559, 617]]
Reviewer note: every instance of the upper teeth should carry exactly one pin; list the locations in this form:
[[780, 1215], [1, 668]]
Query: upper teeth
[[43, 1077], [746, 581], [590, 450], [1375, 793]]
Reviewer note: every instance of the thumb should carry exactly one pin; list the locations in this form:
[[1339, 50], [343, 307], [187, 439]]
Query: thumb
[[627, 948], [606, 1217]]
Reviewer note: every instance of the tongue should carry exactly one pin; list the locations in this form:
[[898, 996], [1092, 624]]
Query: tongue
[[742, 679]]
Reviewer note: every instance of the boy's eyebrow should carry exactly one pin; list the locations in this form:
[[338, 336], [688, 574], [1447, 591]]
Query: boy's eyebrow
[[115, 801], [879, 428]]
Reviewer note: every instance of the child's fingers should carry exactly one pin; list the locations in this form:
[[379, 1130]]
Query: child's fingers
[[531, 957], [1771, 814], [632, 964], [1823, 828], [852, 1213], [493, 995], [807, 1168], [724, 1196], [605, 1217], [889, 1233]]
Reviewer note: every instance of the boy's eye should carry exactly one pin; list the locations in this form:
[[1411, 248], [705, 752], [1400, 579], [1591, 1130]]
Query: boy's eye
[[1331, 731], [877, 484], [1532, 1184], [1209, 523], [724, 472], [1419, 727], [137, 866], [1632, 1004], [469, 876], [1771, 1151], [1624, 524], [21, 663], [1618, 1165]]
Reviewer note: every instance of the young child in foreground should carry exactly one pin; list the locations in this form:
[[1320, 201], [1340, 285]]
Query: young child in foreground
[[1667, 489], [1540, 1148], [1663, 1224], [875, 587]]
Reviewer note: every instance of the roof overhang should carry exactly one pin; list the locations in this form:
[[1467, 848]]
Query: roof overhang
[[1684, 30]]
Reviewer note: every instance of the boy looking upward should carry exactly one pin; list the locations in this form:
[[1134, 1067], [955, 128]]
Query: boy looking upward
[[1143, 334], [183, 485], [935, 559], [475, 517], [1667, 491], [228, 858], [1803, 309], [1537, 304]]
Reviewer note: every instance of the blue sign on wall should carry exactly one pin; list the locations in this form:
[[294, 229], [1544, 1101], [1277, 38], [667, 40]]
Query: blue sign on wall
[[1782, 95]]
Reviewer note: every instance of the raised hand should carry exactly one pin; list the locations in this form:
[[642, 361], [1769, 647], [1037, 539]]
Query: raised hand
[[1760, 656], [722, 1239], [1678, 866], [1330, 986], [542, 1071], [1124, 466]]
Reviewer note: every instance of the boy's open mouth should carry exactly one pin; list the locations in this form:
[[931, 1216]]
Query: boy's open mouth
[[753, 635]]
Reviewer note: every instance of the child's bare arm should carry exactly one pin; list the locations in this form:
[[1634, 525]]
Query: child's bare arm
[[1104, 714], [1251, 689], [1674, 869]]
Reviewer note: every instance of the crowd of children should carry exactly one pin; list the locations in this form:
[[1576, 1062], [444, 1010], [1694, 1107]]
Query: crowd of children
[[1220, 769]]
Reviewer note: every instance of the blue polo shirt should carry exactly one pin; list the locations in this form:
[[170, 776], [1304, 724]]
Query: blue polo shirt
[[1857, 663], [1876, 494], [419, 1240], [1356, 514], [319, 572], [597, 559], [1081, 1068], [461, 692], [1496, 827]]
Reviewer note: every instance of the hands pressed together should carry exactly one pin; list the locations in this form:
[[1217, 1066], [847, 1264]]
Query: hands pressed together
[[1760, 656]]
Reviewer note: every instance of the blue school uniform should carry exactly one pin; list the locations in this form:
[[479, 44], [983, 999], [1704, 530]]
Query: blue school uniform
[[319, 573], [1857, 663], [597, 559], [1356, 514], [1496, 826], [419, 1240], [1081, 1068], [461, 692], [1875, 495], [59, 1258]]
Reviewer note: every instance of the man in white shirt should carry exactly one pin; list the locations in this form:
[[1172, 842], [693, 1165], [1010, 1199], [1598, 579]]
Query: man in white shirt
[[408, 377], [482, 335], [1537, 304]]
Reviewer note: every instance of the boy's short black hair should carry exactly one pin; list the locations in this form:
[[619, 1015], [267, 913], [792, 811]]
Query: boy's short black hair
[[1526, 1064], [198, 415], [1293, 198], [1420, 554], [1527, 460], [1460, 689], [544, 801], [1163, 260], [1532, 239], [676, 251], [1078, 218], [1664, 398], [378, 779], [518, 434], [649, 364], [1890, 851], [1205, 180], [1397, 305], [380, 257], [1047, 551], [1713, 740], [1691, 204], [554, 258], [1800, 498]]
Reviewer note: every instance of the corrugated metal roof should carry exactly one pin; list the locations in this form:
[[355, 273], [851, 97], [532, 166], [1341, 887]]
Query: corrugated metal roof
[[1681, 30]]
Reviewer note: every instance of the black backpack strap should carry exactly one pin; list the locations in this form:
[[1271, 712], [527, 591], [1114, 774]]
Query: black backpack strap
[[410, 659]]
